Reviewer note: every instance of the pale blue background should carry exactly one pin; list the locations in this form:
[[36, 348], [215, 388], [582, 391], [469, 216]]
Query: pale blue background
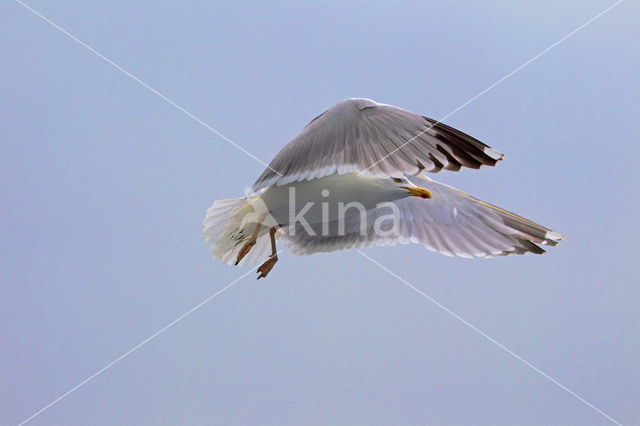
[[104, 185]]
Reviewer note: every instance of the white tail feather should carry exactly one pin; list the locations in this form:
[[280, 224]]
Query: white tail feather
[[226, 230]]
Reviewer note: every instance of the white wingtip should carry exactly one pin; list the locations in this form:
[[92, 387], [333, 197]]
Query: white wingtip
[[553, 236], [496, 155]]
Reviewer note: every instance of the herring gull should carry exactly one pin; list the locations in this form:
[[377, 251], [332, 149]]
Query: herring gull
[[356, 177]]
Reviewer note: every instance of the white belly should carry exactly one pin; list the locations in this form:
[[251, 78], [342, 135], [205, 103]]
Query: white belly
[[325, 198]]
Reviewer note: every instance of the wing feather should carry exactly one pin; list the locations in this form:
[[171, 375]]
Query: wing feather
[[360, 135], [452, 223]]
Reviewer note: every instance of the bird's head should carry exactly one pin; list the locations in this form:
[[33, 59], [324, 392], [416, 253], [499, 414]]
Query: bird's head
[[408, 187]]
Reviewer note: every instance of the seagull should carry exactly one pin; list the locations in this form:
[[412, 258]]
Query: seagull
[[356, 176]]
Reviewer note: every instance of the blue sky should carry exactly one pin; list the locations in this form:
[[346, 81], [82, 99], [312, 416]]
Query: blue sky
[[104, 186]]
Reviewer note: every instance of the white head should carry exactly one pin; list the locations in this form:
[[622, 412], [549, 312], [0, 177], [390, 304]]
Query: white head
[[402, 187]]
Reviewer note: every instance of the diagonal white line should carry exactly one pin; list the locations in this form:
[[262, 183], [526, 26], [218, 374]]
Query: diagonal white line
[[497, 82], [491, 339], [142, 83], [133, 349], [363, 254]]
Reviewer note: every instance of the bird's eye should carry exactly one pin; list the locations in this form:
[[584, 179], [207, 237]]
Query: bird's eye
[[397, 180]]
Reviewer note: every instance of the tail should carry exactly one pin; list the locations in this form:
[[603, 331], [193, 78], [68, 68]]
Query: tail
[[228, 225]]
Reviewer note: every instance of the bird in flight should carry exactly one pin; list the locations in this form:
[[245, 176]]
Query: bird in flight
[[356, 176]]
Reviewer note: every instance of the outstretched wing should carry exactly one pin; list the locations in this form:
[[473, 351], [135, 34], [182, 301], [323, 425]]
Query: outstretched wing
[[360, 135], [452, 223]]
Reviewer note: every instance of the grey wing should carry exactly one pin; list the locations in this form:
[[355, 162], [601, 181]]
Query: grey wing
[[360, 135], [452, 223]]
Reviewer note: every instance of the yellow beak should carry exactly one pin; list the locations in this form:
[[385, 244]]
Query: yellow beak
[[417, 191]]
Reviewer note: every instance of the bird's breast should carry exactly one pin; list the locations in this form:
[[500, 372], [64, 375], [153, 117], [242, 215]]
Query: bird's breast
[[325, 199]]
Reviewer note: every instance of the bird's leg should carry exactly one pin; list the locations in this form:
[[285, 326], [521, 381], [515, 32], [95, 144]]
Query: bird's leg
[[266, 267], [246, 248]]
